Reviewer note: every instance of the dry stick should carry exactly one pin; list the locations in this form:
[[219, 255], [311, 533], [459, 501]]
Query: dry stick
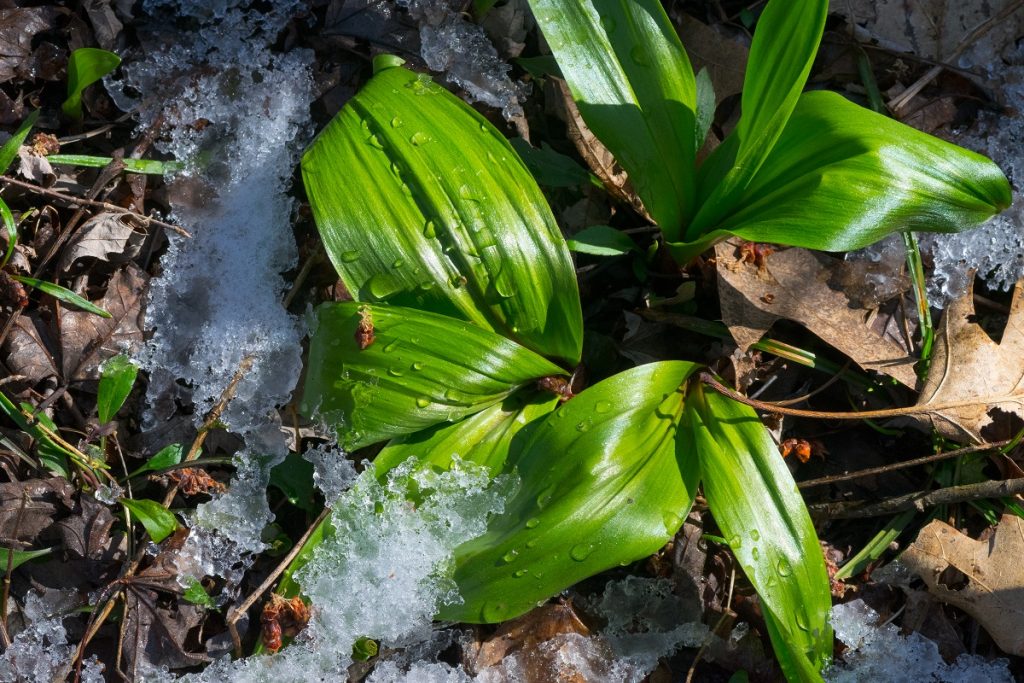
[[235, 613], [901, 100], [810, 483], [919, 500], [145, 220], [5, 598], [706, 378]]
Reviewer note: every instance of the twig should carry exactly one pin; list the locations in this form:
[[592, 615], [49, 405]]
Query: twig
[[47, 192], [5, 598], [919, 500], [706, 378], [236, 612], [810, 483]]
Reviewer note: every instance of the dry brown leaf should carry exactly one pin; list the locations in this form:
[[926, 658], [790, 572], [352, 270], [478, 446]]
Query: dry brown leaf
[[26, 349], [794, 285], [18, 26], [107, 236], [723, 57], [87, 340], [994, 574], [967, 364], [527, 632]]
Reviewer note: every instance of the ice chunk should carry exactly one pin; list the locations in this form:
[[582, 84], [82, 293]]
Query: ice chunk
[[880, 653], [418, 672], [382, 575], [333, 473], [41, 651]]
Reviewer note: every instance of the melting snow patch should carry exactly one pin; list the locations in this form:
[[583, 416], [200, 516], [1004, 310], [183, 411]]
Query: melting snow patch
[[880, 653], [333, 473]]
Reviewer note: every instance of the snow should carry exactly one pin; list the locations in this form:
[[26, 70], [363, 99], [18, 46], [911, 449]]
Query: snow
[[238, 119], [880, 653], [333, 473]]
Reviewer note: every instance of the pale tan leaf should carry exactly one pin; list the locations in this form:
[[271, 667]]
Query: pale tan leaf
[[108, 236], [967, 364], [994, 589]]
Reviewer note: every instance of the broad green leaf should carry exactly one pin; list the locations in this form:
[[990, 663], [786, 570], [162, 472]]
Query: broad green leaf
[[604, 482], [540, 67], [86, 66], [10, 149], [20, 557], [61, 293], [706, 105], [842, 177], [116, 380], [151, 166], [52, 456], [293, 476], [635, 89], [484, 438], [421, 202], [421, 369], [756, 504], [602, 240], [168, 456], [11, 228], [550, 168], [158, 521]]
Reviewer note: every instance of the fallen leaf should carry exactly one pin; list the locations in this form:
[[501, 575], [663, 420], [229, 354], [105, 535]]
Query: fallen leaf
[[527, 632], [18, 26], [107, 236], [105, 24], [988, 575], [794, 285], [28, 509], [35, 167], [27, 349], [967, 364], [507, 26], [708, 48], [87, 340]]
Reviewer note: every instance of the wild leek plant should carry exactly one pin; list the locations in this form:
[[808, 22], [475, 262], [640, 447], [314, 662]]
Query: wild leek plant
[[468, 321]]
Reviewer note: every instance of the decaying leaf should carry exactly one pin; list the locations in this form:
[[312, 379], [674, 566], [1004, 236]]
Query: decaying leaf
[[88, 340], [794, 285], [27, 351], [108, 236], [968, 364], [18, 26], [526, 633], [994, 590], [708, 48]]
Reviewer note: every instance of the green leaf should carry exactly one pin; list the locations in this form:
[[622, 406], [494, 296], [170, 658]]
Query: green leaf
[[421, 202], [65, 295], [550, 168], [635, 89], [12, 232], [10, 149], [293, 476], [484, 438], [158, 521], [756, 504], [604, 482], [52, 456], [842, 177], [421, 369], [116, 380], [168, 456], [706, 105], [197, 595], [540, 66], [602, 240], [20, 557], [86, 66], [781, 56], [364, 649], [151, 166]]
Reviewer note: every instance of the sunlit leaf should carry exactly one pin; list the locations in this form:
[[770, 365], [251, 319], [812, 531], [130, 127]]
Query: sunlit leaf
[[158, 521], [168, 456], [117, 377], [421, 202], [635, 89], [86, 65], [61, 293], [842, 177], [756, 504], [11, 228], [421, 369], [151, 166], [604, 482], [10, 148]]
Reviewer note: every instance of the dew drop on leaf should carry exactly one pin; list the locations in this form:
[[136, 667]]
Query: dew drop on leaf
[[422, 402], [581, 551]]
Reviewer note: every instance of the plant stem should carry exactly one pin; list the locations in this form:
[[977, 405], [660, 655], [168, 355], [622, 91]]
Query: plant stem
[[919, 500]]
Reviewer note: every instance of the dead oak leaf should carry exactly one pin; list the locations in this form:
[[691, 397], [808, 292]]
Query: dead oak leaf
[[108, 236], [994, 592], [967, 364], [794, 285]]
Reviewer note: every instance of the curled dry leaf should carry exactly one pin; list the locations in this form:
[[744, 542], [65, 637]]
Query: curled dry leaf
[[967, 364], [994, 590], [794, 285], [108, 236], [27, 349], [18, 26]]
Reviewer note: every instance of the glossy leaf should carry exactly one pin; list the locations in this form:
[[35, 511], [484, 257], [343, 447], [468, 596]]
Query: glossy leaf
[[484, 438], [16, 558], [756, 504], [602, 240], [151, 166], [158, 521], [116, 381], [86, 65], [604, 482], [61, 293], [781, 56], [421, 369], [9, 151], [11, 228], [421, 202], [168, 456], [635, 89], [842, 177], [706, 105]]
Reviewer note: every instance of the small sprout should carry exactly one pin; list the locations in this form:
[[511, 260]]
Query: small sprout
[[364, 331], [281, 618]]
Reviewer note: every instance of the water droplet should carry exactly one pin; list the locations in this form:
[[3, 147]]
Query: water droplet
[[583, 426], [532, 523], [755, 552], [639, 55], [397, 263], [350, 256], [467, 193], [602, 407], [735, 542], [419, 138], [581, 551], [395, 372], [672, 521], [510, 556], [801, 620], [784, 567], [494, 611], [483, 127], [382, 286], [422, 402], [406, 190], [545, 496], [519, 573], [391, 346], [396, 122], [755, 535], [429, 231], [374, 141], [531, 543], [417, 366]]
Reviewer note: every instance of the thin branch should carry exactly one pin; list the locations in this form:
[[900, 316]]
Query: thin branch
[[919, 500]]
